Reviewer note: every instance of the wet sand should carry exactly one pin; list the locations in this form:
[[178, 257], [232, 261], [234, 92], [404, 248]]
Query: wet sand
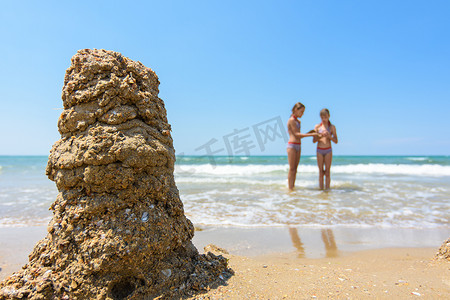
[[316, 242], [302, 263], [16, 243]]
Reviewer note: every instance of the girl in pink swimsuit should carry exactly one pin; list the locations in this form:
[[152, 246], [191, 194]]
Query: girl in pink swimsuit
[[294, 146], [327, 133]]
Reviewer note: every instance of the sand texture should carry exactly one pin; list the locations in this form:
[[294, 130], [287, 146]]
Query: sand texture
[[444, 251], [399, 273], [284, 270], [118, 229]]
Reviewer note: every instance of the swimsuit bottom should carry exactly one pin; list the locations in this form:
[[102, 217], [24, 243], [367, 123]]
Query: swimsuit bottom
[[295, 146], [324, 151]]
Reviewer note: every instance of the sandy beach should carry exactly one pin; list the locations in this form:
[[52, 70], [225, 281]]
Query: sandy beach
[[160, 150], [398, 273], [299, 263]]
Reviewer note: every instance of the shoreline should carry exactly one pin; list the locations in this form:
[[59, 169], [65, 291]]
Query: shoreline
[[16, 243], [313, 242]]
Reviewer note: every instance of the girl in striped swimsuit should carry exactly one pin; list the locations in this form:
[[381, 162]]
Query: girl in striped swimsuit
[[327, 133], [294, 146]]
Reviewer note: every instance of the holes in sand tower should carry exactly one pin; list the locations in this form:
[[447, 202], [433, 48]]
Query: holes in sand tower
[[122, 289]]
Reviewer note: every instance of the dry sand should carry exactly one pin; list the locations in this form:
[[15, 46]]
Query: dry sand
[[291, 263], [398, 273]]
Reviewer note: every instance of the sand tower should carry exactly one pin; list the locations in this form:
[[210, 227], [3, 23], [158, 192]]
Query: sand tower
[[118, 229]]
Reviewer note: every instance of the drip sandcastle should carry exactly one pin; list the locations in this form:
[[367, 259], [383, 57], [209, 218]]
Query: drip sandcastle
[[118, 229]]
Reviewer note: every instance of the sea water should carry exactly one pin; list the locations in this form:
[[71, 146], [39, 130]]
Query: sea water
[[366, 191]]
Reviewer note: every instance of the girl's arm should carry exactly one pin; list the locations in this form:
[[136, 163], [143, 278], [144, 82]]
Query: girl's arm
[[334, 137], [303, 135]]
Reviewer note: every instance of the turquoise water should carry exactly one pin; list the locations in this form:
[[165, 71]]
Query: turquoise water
[[367, 191]]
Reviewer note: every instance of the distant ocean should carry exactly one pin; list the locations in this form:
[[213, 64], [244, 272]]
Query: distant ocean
[[367, 191]]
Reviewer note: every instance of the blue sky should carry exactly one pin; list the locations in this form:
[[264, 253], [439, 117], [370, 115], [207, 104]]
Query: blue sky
[[382, 68]]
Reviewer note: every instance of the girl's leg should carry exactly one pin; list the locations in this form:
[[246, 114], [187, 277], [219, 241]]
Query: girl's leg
[[292, 159], [297, 161], [321, 173], [328, 160]]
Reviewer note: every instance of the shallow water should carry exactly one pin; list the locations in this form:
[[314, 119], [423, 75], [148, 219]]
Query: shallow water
[[410, 192], [367, 191]]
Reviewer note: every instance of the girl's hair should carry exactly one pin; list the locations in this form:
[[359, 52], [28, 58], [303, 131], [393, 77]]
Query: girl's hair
[[297, 105], [326, 111]]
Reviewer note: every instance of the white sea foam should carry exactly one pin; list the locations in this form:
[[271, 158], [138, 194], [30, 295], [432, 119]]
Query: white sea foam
[[391, 169], [23, 221], [417, 158], [432, 170], [301, 183], [243, 170], [227, 180], [256, 219], [351, 203]]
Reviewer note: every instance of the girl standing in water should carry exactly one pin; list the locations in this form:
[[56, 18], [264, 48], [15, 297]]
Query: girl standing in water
[[327, 133], [294, 147]]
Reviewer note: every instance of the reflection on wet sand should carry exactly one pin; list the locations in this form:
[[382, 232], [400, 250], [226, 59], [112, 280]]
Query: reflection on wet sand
[[330, 243], [328, 239], [297, 242]]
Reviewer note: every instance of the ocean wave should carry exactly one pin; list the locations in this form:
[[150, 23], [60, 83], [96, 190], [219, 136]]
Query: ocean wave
[[391, 169], [254, 220], [206, 169], [417, 158], [386, 225], [433, 170], [23, 221], [224, 180], [348, 203], [337, 185]]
